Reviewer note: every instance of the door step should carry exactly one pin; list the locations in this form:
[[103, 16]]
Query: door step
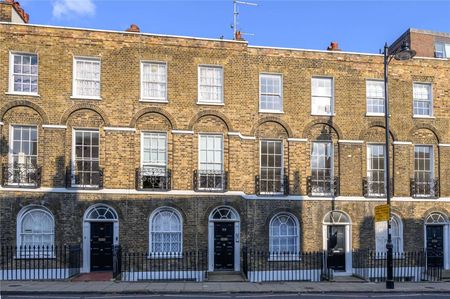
[[225, 276], [347, 279], [445, 275], [94, 276]]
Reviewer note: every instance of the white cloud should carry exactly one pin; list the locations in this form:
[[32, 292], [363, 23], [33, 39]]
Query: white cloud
[[68, 8]]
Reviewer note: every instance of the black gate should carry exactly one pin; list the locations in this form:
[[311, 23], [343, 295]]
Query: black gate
[[223, 245], [101, 246]]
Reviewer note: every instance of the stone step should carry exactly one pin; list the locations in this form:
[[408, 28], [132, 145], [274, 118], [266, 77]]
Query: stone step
[[347, 279], [226, 276], [446, 275]]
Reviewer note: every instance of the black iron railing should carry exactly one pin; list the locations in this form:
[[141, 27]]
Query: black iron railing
[[154, 179], [323, 186], [24, 175], [282, 266], [210, 180], [144, 266], [408, 266], [265, 186], [424, 189], [83, 179], [376, 188], [117, 261], [39, 262]]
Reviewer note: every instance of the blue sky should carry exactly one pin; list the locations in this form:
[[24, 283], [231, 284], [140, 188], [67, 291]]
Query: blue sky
[[361, 26]]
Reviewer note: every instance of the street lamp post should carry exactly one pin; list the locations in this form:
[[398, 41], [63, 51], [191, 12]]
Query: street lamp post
[[403, 53]]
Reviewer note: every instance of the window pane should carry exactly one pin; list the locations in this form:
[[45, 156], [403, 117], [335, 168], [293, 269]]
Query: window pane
[[210, 84], [25, 73], [271, 92]]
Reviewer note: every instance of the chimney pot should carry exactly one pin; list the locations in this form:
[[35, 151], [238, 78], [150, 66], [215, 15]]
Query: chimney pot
[[133, 28], [334, 46]]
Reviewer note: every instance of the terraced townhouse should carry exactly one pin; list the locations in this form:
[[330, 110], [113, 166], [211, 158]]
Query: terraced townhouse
[[168, 144]]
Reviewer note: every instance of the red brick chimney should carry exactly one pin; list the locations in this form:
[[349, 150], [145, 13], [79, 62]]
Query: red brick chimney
[[238, 36], [133, 28], [16, 15], [333, 47]]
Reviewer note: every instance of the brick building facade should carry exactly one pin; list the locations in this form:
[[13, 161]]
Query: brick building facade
[[168, 139]]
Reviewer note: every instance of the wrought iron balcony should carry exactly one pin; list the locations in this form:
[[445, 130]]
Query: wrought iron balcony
[[424, 189], [323, 186], [153, 179], [92, 179], [376, 188], [22, 175], [210, 180], [269, 186]]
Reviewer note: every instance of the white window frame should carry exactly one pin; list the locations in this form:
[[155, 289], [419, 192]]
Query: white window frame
[[369, 113], [430, 100], [331, 167], [11, 74], [331, 113], [380, 241], [280, 95], [19, 242], [153, 99], [222, 158], [11, 147], [280, 256], [432, 174], [368, 158], [74, 78], [74, 130], [157, 165], [445, 53], [161, 255], [282, 165], [208, 101]]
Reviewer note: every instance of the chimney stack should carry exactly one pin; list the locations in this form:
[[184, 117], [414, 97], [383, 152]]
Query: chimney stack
[[133, 28], [10, 11], [333, 47]]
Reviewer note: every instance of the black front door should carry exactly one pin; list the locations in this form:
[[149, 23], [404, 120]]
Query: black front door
[[336, 247], [223, 245], [101, 246], [435, 245]]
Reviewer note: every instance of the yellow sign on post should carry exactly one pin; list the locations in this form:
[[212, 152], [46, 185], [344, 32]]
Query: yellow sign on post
[[382, 213]]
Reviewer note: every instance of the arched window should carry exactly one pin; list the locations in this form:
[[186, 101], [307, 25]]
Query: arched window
[[35, 227], [166, 235], [284, 234], [396, 234], [435, 218]]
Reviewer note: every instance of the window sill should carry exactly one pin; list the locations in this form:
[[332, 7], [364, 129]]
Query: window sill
[[150, 100], [271, 111], [424, 116], [331, 114], [9, 93], [271, 194], [321, 194], [375, 114], [210, 103], [283, 257], [162, 256], [85, 98]]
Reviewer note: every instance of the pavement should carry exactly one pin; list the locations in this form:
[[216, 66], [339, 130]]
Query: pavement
[[112, 287]]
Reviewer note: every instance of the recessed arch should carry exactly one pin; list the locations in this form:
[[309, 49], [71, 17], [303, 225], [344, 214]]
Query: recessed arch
[[84, 106], [436, 218], [224, 213], [428, 127], [374, 124], [274, 119], [24, 103], [308, 128], [100, 212], [156, 110], [336, 217], [217, 114]]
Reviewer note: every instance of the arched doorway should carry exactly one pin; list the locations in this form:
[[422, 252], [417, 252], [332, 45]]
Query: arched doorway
[[337, 242], [224, 240], [437, 240], [100, 234]]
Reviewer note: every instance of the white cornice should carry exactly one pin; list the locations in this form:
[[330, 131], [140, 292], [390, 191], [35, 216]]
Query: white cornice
[[123, 129], [54, 127], [182, 132], [402, 143], [1, 123], [351, 141], [297, 139], [444, 144], [241, 136]]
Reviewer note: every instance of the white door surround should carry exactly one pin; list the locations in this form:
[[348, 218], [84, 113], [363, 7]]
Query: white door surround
[[224, 214], [339, 218], [97, 213], [438, 218]]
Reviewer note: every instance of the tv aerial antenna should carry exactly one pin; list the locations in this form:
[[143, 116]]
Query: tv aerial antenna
[[236, 17]]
